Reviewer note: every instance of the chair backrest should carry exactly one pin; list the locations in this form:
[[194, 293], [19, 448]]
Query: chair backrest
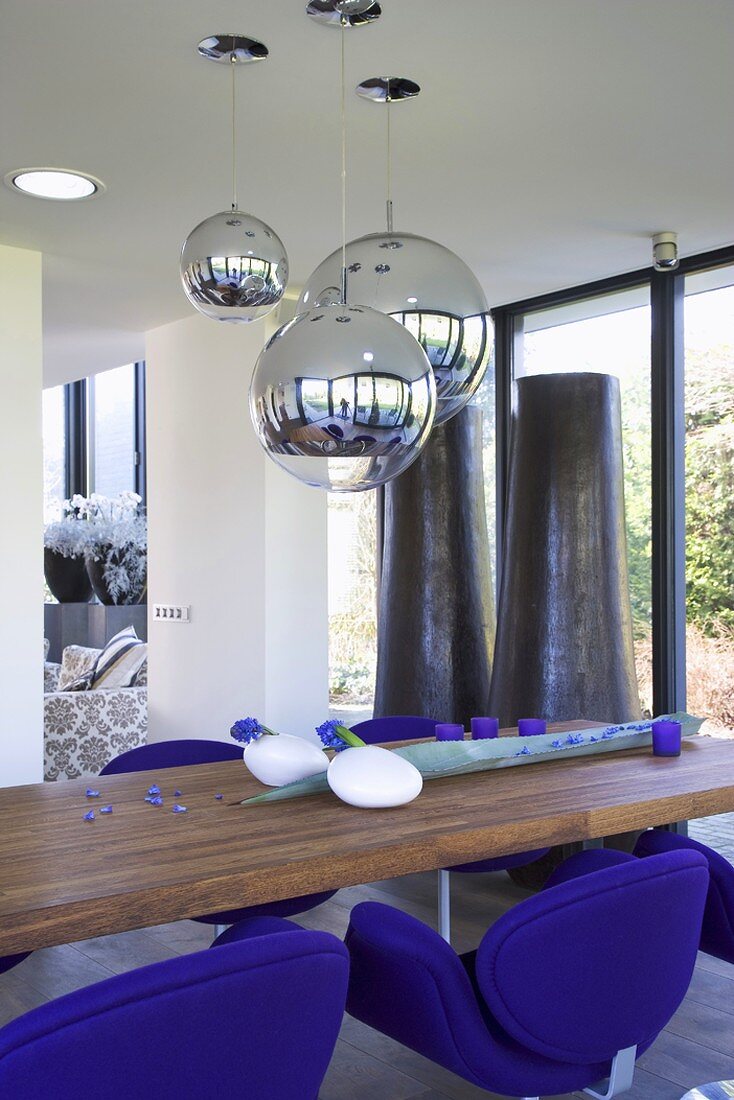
[[258, 1018], [597, 964], [398, 727], [717, 931], [172, 754]]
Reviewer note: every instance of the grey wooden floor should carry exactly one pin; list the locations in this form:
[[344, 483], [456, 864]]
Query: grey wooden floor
[[696, 1047]]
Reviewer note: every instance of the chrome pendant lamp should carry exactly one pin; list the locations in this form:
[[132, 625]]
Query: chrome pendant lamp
[[343, 397], [422, 284], [234, 267]]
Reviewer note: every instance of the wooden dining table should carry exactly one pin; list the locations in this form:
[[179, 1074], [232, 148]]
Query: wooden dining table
[[63, 878]]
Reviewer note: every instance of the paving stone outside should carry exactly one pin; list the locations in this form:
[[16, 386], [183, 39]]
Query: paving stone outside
[[717, 832]]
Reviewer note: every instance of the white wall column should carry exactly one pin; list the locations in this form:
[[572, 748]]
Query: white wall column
[[21, 528], [234, 538]]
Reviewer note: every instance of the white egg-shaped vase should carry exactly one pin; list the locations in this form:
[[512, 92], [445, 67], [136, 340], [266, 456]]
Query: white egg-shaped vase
[[373, 778], [276, 761]]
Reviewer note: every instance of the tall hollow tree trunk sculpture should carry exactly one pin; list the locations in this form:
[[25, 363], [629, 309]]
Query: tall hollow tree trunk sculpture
[[436, 611], [564, 639]]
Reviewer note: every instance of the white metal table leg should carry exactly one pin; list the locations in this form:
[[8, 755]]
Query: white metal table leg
[[444, 905]]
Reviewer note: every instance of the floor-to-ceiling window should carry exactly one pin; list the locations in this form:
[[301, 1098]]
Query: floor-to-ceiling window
[[352, 565], [610, 335], [54, 452], [709, 427], [111, 402]]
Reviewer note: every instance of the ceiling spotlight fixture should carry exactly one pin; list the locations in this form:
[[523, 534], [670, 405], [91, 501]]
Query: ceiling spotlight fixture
[[58, 184], [342, 397], [420, 283], [234, 267], [665, 251]]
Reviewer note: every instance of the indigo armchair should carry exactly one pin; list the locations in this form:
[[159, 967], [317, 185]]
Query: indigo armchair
[[411, 728], [566, 989], [185, 752], [252, 1019]]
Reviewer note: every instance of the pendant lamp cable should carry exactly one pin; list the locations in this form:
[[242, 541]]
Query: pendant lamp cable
[[388, 105], [233, 65], [344, 161]]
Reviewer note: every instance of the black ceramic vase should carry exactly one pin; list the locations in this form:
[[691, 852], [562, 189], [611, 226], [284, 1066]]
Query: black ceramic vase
[[96, 571], [67, 578], [564, 625], [436, 612]]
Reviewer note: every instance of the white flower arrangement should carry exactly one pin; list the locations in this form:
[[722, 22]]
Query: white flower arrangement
[[98, 528]]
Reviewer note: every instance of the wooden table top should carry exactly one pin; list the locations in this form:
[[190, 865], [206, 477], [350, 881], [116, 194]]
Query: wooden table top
[[64, 879]]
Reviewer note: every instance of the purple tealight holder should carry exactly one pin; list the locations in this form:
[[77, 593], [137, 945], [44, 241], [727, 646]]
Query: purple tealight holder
[[449, 731], [531, 727], [666, 738], [483, 728]]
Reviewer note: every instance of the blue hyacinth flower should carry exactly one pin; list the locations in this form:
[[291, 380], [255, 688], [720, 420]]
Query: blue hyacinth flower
[[155, 789], [89, 816], [247, 730], [154, 799], [179, 809], [105, 809], [330, 739], [92, 794]]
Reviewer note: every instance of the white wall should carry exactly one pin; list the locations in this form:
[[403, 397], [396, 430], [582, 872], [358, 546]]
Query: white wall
[[235, 538], [21, 525]]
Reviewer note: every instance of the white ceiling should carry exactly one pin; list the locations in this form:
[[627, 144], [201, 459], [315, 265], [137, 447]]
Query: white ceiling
[[551, 139]]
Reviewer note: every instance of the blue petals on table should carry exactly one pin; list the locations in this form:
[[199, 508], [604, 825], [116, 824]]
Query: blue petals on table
[[91, 794], [155, 789], [435, 759], [177, 794], [105, 809], [219, 797], [154, 799], [89, 816], [179, 809]]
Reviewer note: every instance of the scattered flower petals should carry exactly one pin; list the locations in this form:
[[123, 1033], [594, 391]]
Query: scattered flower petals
[[154, 799], [105, 809], [92, 794], [557, 744], [89, 816], [177, 794], [219, 797], [155, 789], [523, 752], [575, 739], [179, 809]]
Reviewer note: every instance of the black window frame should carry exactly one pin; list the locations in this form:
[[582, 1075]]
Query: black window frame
[[78, 429], [667, 300]]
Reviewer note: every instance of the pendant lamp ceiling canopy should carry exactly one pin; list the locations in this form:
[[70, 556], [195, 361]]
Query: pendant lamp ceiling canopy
[[234, 267]]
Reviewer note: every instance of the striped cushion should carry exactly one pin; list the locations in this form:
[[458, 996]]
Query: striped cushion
[[120, 661]]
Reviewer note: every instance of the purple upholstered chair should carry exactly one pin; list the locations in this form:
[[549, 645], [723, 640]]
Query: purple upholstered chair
[[410, 728], [180, 754], [717, 932], [258, 1019], [567, 988]]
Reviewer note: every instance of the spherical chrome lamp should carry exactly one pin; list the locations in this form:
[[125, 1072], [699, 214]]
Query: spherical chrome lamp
[[234, 267], [422, 284], [343, 398]]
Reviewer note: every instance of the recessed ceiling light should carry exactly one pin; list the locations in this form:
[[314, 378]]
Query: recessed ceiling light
[[54, 183]]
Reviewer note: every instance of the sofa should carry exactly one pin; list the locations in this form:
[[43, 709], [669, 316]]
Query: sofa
[[84, 730]]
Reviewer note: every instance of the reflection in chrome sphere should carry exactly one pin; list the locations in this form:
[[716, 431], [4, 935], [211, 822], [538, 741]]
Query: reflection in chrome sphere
[[431, 291], [234, 267], [343, 398], [353, 7]]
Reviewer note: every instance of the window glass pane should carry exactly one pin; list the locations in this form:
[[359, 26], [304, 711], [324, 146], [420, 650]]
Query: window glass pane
[[113, 430], [352, 534], [54, 453], [611, 335], [709, 397]]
